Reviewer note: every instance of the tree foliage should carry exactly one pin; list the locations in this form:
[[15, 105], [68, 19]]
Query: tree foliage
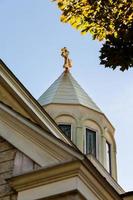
[[107, 20], [118, 51]]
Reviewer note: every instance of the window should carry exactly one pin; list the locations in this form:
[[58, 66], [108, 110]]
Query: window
[[108, 157], [66, 128], [90, 142]]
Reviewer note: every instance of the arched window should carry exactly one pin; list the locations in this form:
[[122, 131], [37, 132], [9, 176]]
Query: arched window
[[66, 128], [108, 156], [90, 142]]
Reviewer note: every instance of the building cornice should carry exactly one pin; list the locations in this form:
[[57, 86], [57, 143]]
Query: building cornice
[[75, 172]]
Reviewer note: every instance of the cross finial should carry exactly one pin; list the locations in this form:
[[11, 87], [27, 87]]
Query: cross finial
[[67, 61]]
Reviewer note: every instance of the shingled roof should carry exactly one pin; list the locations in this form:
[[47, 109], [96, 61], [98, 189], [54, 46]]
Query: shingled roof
[[66, 90]]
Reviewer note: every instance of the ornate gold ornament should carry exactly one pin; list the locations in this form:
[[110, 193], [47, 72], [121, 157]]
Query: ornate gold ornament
[[67, 61]]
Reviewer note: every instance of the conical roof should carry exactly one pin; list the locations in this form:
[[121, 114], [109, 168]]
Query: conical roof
[[66, 90]]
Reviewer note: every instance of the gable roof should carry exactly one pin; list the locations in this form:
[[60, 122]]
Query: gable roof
[[66, 90], [30, 104], [39, 115]]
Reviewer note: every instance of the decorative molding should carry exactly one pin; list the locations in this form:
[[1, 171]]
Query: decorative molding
[[62, 178]]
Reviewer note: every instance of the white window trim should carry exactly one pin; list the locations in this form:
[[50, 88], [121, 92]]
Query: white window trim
[[97, 145], [62, 123]]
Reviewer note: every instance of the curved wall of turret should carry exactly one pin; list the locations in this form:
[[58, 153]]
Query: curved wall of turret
[[81, 118]]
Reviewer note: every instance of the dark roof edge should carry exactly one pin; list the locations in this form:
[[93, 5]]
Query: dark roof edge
[[126, 194]]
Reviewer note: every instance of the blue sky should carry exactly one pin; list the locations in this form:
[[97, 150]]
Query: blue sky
[[31, 37]]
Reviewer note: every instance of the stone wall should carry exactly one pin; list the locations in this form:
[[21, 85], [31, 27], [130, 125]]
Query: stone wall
[[7, 155]]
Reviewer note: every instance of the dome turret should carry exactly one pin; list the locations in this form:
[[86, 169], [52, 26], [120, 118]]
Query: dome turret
[[81, 119]]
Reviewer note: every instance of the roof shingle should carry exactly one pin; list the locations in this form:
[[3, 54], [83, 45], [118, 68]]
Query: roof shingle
[[66, 90]]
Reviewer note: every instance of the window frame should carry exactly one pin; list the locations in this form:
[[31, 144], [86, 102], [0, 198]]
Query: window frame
[[61, 123], [85, 148]]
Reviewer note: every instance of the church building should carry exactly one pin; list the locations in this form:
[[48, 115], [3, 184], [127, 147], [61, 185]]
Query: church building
[[59, 147]]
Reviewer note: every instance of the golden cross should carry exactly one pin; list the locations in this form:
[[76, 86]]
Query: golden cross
[[67, 61]]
